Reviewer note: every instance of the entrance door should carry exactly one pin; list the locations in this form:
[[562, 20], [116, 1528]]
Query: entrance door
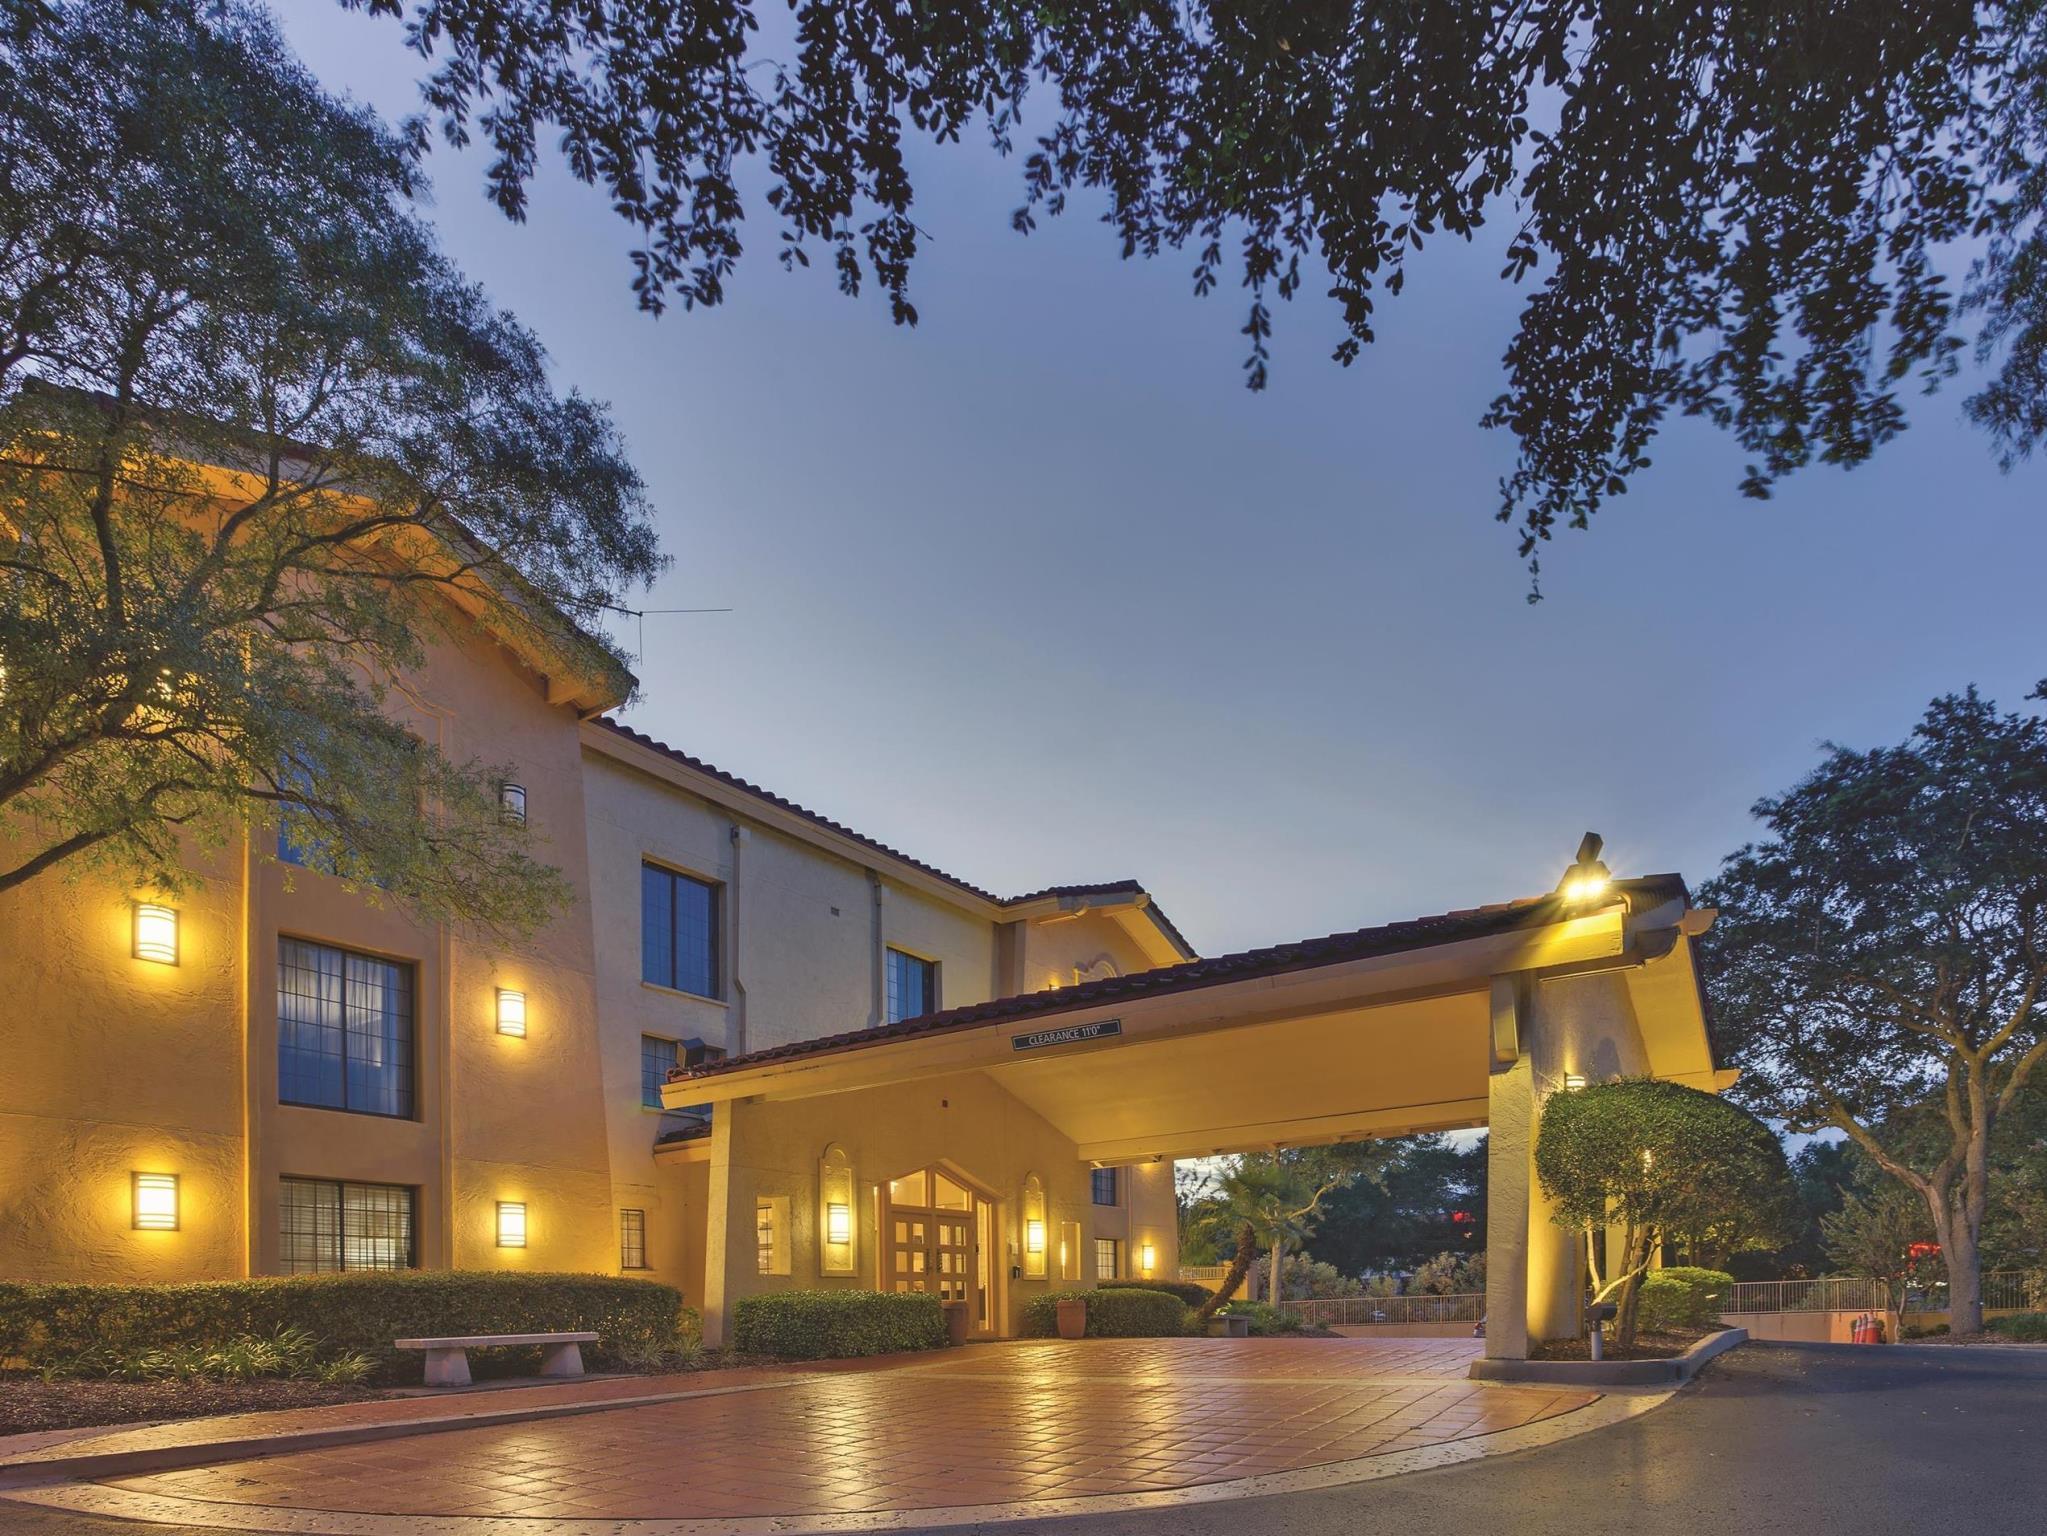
[[933, 1242]]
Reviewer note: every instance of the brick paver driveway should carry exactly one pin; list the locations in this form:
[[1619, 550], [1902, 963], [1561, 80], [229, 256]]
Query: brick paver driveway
[[994, 1424]]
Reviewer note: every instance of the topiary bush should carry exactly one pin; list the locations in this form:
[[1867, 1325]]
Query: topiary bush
[[1682, 1297], [1121, 1312], [1193, 1295], [835, 1325], [2024, 1327], [50, 1327]]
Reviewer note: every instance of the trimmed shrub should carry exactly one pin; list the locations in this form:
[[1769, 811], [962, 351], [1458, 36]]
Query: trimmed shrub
[[52, 1326], [1121, 1312], [2025, 1327], [1267, 1321], [1190, 1293], [833, 1325], [1682, 1297]]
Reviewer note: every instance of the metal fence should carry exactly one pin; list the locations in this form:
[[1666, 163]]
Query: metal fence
[[2003, 1289], [1353, 1311], [1851, 1293], [1196, 1274]]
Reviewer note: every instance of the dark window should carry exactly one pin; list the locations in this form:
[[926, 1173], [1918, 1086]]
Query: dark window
[[912, 986], [1106, 1256], [632, 1239], [300, 839], [657, 1057], [344, 1030], [323, 1225], [1105, 1186], [678, 931]]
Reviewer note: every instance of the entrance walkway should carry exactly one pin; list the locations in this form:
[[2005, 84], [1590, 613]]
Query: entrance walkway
[[1014, 1430]]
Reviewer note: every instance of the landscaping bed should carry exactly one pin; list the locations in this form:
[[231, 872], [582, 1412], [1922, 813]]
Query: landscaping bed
[[1661, 1344]]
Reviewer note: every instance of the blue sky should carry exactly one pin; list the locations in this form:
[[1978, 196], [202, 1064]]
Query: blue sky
[[1038, 592]]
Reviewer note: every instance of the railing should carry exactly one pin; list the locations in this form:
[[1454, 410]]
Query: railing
[[1197, 1274], [2003, 1289], [1839, 1293], [2010, 1290], [1355, 1311]]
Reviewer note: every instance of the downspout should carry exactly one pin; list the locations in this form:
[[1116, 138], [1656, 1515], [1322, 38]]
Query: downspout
[[877, 963], [735, 1029]]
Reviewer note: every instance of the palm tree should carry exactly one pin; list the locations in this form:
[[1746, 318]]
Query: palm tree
[[1272, 1202]]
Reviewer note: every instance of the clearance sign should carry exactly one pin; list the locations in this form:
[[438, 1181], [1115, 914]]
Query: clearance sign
[[1070, 1034]]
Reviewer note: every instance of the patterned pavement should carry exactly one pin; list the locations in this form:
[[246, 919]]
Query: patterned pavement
[[993, 1424]]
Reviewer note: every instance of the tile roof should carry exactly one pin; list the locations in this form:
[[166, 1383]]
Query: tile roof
[[747, 787], [1278, 959]]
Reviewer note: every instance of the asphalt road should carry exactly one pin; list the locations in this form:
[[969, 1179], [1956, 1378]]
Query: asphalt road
[[1817, 1440], [1823, 1440]]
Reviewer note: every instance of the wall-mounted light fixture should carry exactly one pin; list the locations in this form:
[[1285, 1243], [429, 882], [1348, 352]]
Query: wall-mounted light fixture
[[511, 1012], [1034, 1237], [512, 804], [156, 933], [1587, 879], [1147, 1259], [1574, 1080], [156, 1202], [838, 1223], [511, 1224]]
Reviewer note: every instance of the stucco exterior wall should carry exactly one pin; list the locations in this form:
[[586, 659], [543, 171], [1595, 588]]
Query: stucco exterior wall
[[1058, 952], [772, 1149], [134, 1066]]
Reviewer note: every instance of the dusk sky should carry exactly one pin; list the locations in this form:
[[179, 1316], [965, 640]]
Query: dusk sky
[[1038, 592]]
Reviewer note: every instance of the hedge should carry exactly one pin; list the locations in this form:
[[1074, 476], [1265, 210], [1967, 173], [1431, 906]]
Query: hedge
[[1119, 1313], [346, 1313], [1192, 1294], [831, 1325], [2026, 1327], [1682, 1297]]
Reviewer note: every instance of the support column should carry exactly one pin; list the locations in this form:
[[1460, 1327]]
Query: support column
[[729, 1237], [1510, 1146]]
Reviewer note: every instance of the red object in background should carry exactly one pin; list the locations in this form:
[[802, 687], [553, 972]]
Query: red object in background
[[1460, 1218], [1921, 1250]]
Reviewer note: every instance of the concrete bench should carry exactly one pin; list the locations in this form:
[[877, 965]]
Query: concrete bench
[[447, 1360]]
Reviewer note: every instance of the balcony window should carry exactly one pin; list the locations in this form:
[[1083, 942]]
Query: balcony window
[[678, 931], [658, 1058], [344, 1030], [912, 986], [1103, 1186]]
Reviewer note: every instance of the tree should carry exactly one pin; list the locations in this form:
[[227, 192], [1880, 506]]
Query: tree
[[1273, 1200], [1885, 1234], [260, 447], [1655, 1160], [1430, 1198], [1887, 944], [1743, 212]]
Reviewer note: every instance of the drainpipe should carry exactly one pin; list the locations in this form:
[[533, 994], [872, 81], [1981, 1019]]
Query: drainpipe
[[877, 968], [735, 1030]]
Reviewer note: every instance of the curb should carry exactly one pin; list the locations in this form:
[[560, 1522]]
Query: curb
[[1612, 1373], [93, 1465]]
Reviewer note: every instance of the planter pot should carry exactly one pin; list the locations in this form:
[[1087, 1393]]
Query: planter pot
[[1072, 1319], [955, 1323]]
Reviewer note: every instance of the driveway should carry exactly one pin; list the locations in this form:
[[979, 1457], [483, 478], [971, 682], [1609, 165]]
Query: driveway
[[989, 1431], [1818, 1440]]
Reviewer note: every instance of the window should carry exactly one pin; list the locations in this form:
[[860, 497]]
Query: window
[[678, 931], [344, 1030], [657, 1057], [1104, 1186], [512, 804], [912, 986], [299, 838], [322, 1225], [764, 1234], [1107, 1252], [632, 1239]]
